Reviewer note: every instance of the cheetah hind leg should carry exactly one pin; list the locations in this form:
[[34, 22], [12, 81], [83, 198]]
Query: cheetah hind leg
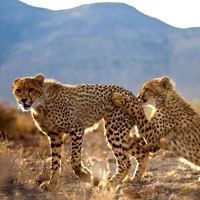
[[119, 146]]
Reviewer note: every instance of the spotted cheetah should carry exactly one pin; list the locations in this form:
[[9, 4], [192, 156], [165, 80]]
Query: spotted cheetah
[[174, 122], [59, 109]]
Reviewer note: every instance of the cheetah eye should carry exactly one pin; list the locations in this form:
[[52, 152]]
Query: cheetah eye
[[146, 89], [30, 90], [18, 90]]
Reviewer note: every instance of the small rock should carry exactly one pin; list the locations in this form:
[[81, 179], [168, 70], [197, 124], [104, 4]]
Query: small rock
[[131, 193], [95, 181]]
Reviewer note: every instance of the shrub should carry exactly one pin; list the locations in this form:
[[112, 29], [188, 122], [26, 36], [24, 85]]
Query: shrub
[[15, 123]]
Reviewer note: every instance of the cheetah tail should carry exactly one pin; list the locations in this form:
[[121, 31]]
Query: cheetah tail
[[120, 100]]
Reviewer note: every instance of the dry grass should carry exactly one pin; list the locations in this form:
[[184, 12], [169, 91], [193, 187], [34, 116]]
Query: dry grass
[[23, 170], [24, 164]]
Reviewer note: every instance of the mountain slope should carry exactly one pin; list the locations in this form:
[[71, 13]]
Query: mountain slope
[[99, 43]]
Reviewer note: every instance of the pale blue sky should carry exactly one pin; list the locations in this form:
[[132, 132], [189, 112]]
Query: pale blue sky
[[178, 13]]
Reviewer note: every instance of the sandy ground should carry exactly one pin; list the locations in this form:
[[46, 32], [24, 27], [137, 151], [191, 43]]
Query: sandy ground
[[166, 177]]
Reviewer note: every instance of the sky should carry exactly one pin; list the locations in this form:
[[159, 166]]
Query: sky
[[178, 13]]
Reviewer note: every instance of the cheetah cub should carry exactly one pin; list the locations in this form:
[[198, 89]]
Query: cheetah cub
[[176, 125], [59, 109]]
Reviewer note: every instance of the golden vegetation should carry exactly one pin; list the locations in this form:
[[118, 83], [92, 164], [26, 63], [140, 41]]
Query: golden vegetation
[[15, 124]]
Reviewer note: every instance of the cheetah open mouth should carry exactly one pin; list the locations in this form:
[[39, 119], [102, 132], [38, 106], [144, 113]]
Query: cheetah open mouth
[[25, 107]]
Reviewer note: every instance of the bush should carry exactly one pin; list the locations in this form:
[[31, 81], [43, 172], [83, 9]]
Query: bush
[[15, 123]]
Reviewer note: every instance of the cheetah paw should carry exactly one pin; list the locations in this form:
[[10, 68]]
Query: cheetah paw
[[132, 180], [126, 180], [47, 186], [84, 175], [104, 186], [109, 186]]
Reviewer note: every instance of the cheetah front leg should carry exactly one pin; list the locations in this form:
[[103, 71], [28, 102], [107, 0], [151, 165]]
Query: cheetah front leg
[[80, 171], [56, 148], [141, 156]]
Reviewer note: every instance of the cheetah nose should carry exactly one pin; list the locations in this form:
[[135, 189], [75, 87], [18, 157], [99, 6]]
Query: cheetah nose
[[138, 97], [23, 100]]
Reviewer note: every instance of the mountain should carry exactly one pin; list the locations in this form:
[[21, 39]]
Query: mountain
[[97, 43]]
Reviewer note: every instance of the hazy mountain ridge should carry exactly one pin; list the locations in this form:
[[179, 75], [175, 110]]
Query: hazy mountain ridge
[[99, 43]]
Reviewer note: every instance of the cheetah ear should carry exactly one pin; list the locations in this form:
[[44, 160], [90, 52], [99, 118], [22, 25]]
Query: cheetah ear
[[166, 83], [16, 80], [40, 78]]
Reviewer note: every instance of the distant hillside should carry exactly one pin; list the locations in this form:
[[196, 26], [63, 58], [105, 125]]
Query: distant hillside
[[99, 43]]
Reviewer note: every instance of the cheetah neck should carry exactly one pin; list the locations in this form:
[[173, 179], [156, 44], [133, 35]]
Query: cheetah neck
[[52, 88], [52, 92], [176, 103], [173, 99]]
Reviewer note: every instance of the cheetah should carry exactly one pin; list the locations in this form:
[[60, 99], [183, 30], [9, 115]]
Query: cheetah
[[59, 109], [174, 122]]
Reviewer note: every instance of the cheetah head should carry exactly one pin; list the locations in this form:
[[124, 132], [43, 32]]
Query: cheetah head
[[28, 90], [154, 92]]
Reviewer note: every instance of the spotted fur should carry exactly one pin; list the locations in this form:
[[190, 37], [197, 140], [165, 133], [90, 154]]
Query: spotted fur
[[59, 109], [175, 125]]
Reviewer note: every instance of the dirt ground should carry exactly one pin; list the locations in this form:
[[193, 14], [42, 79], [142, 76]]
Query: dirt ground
[[166, 177]]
